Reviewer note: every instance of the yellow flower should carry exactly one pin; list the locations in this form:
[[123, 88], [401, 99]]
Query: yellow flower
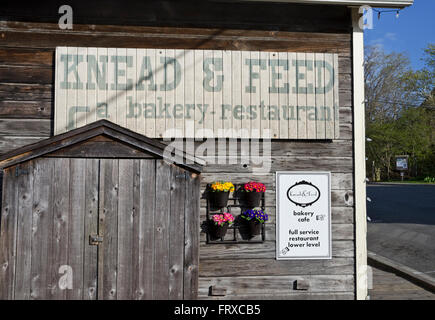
[[223, 186]]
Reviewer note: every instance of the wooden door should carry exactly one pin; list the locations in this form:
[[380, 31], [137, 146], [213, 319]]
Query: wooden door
[[145, 213], [47, 203]]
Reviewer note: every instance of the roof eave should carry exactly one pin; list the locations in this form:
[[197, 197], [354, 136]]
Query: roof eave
[[100, 127], [399, 4]]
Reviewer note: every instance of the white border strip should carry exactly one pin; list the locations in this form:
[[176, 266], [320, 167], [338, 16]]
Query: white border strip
[[359, 158]]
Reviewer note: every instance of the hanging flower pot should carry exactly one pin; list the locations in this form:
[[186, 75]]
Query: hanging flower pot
[[254, 227], [217, 232], [251, 194], [219, 194], [219, 224], [250, 199], [219, 199], [254, 220]]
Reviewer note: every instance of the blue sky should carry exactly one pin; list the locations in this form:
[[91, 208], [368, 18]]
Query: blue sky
[[409, 34]]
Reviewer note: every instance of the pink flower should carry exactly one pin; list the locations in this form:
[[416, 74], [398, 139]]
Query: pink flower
[[221, 219]]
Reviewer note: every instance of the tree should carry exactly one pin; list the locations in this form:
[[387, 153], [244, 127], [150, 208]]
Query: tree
[[384, 86], [422, 82], [399, 114], [414, 136]]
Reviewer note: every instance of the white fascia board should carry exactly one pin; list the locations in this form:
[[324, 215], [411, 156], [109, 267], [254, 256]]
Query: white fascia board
[[374, 3]]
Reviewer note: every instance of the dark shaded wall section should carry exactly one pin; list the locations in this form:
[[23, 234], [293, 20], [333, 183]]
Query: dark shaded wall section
[[218, 14]]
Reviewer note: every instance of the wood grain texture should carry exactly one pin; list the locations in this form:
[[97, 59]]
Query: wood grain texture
[[104, 149], [108, 220], [36, 93], [299, 163], [288, 296], [176, 233], [266, 250], [294, 42], [25, 127], [125, 234], [42, 228], [52, 205], [28, 75], [279, 285], [90, 254], [61, 224], [263, 267], [29, 57], [25, 109], [24, 233], [147, 196], [136, 286], [76, 224], [8, 235], [191, 238], [161, 231]]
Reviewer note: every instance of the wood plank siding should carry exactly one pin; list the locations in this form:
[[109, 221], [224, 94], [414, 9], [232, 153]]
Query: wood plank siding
[[27, 54]]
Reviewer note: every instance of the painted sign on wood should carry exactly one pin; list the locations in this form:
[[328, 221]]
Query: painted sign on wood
[[199, 93], [303, 215]]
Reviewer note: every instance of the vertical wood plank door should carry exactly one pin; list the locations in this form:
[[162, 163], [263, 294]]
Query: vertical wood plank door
[[145, 213], [147, 221], [43, 252]]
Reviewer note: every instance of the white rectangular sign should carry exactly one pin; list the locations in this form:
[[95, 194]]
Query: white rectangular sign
[[199, 93], [303, 212], [401, 163]]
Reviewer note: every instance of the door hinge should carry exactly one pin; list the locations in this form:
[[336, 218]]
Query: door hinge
[[181, 176], [95, 240]]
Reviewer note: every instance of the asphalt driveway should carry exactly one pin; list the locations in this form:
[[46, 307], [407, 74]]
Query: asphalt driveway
[[402, 226]]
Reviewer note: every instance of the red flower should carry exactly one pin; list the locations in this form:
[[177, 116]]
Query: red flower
[[254, 186]]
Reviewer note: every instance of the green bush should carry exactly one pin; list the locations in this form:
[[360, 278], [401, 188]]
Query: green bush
[[429, 179]]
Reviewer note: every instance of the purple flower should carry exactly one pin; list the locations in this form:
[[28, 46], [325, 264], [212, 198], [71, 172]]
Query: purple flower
[[258, 215]]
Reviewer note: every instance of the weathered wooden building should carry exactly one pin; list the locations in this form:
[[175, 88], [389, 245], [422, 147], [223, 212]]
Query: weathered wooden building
[[246, 72]]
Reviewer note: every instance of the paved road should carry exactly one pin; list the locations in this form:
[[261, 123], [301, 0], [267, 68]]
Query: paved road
[[402, 225]]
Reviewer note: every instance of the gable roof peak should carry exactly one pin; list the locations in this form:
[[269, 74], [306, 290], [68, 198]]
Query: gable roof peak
[[92, 130]]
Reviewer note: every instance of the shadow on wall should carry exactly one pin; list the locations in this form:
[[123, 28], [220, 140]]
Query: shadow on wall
[[113, 98]]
